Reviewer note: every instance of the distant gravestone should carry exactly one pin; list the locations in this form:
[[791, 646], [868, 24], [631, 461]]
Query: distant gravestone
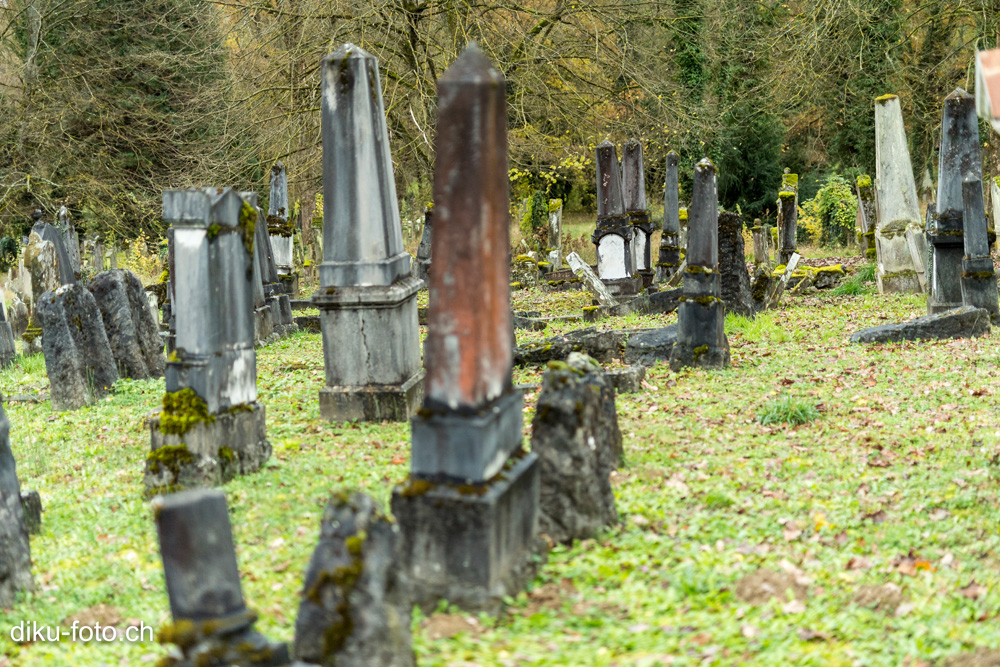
[[576, 436], [979, 281], [64, 266], [8, 351], [613, 236], [962, 322], [15, 548], [788, 216], [40, 275], [281, 229], [78, 358], [132, 332], [353, 612], [17, 315], [555, 233], [590, 279], [634, 195], [670, 241], [422, 265], [70, 238], [866, 221], [733, 266]]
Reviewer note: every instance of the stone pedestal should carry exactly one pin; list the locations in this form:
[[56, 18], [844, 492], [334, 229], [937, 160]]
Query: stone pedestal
[[613, 238], [15, 547], [979, 282]]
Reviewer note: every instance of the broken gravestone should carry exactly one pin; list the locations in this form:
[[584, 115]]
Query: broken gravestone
[[78, 359], [649, 347], [964, 322], [132, 332], [590, 279], [352, 612], [733, 267], [602, 345], [15, 548], [576, 437]]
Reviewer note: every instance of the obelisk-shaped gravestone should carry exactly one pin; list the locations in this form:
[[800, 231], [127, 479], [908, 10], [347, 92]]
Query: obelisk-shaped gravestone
[[15, 548], [212, 624], [979, 282], [422, 265], [788, 217], [959, 156], [896, 200], [866, 215], [367, 298], [701, 336], [263, 315], [70, 238], [613, 236], [634, 185], [281, 229], [468, 514], [670, 239], [211, 427]]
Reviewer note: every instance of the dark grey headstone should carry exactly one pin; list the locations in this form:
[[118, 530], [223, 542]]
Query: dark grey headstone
[[733, 267], [128, 323], [352, 612], [31, 503], [576, 437], [964, 322], [51, 234], [649, 347], [15, 548]]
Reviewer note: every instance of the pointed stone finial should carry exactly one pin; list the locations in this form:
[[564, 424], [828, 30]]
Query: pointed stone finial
[[633, 177], [63, 217], [610, 202], [959, 155], [703, 234], [467, 352], [362, 234], [277, 203], [671, 204]]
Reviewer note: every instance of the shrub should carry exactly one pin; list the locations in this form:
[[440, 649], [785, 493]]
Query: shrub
[[829, 217]]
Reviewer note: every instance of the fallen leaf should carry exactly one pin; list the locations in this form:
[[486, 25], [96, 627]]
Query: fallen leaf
[[794, 607], [749, 631], [973, 590]]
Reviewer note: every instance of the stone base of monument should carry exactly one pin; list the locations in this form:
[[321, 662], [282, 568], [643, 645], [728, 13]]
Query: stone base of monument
[[469, 544], [964, 322], [290, 284], [648, 277], [624, 286], [902, 282], [31, 341], [701, 338], [263, 325], [979, 286], [421, 270], [212, 642], [8, 351], [896, 272], [650, 347], [281, 310], [945, 272], [373, 402], [209, 453]]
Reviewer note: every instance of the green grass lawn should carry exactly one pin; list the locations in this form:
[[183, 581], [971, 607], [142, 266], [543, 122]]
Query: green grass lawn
[[837, 468]]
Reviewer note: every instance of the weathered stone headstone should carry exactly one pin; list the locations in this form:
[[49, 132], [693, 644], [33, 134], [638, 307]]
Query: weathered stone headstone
[[279, 225], [8, 350], [64, 267], [979, 281], [78, 359], [614, 233], [959, 155], [211, 426], [962, 322], [212, 625], [774, 286], [71, 240], [995, 202], [17, 315], [701, 336], [353, 613], [634, 193], [275, 293], [647, 348], [576, 437], [866, 218], [422, 265], [555, 233], [761, 247], [733, 265], [367, 298], [469, 511], [788, 216], [590, 279], [15, 547], [670, 246], [263, 318], [896, 200], [128, 322]]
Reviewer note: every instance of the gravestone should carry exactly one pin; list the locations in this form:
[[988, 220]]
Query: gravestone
[[959, 156], [276, 297], [78, 359], [8, 350], [594, 284], [64, 266], [979, 281], [896, 199], [45, 267], [761, 247], [670, 243], [211, 427], [128, 322], [422, 266], [576, 437], [634, 193], [735, 280], [17, 315], [71, 240], [468, 513], [701, 336], [961, 322], [212, 625], [866, 218], [788, 216], [352, 612], [555, 233], [614, 233], [15, 547], [367, 298], [995, 201], [281, 230], [263, 319]]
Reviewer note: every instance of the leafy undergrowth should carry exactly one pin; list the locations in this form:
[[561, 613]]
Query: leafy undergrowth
[[879, 516]]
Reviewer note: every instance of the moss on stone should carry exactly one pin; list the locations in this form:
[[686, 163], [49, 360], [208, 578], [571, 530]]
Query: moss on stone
[[171, 457], [555, 205], [885, 98], [979, 275], [682, 214], [248, 225], [213, 231], [864, 181], [226, 455], [590, 309], [697, 352], [416, 487], [182, 410]]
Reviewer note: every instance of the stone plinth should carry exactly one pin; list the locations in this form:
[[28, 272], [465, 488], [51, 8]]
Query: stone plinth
[[367, 297], [670, 247], [15, 547], [979, 282]]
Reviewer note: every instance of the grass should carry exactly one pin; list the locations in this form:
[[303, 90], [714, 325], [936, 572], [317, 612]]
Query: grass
[[788, 410], [897, 483]]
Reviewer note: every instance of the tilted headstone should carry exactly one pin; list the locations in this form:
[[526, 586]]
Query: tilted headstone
[[576, 437], [594, 284], [701, 336], [670, 242], [959, 155], [78, 358], [866, 218], [788, 216], [281, 229], [896, 200], [422, 266], [47, 232], [211, 426], [634, 188], [128, 322], [962, 322], [15, 547], [275, 294], [212, 625], [367, 298], [353, 612], [614, 233], [979, 282], [71, 240], [735, 280], [470, 548]]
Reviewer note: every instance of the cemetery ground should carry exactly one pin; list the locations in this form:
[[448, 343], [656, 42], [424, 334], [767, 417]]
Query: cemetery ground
[[862, 479]]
